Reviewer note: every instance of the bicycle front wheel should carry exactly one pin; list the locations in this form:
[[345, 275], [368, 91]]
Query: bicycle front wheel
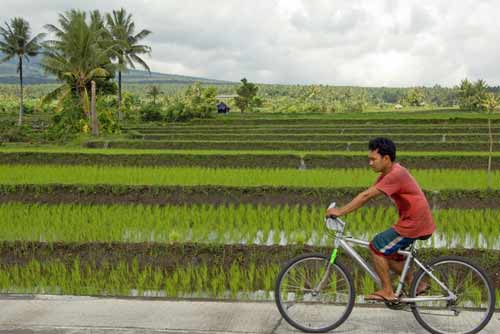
[[313, 295], [475, 303]]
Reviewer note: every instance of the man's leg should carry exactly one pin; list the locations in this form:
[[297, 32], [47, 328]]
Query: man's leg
[[382, 269], [398, 266], [383, 248], [380, 244]]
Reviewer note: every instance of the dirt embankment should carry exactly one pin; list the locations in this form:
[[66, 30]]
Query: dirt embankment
[[221, 195]]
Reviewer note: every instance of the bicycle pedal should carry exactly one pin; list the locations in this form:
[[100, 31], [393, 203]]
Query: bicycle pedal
[[373, 301]]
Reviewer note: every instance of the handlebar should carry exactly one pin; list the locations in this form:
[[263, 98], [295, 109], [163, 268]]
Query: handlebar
[[332, 205]]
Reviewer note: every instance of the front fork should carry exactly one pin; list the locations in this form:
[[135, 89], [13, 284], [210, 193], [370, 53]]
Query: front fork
[[327, 271], [333, 256]]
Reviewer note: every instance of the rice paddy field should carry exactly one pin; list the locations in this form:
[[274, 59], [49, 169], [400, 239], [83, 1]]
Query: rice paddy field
[[213, 208]]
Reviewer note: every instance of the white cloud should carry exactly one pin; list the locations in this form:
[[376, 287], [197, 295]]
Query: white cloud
[[373, 43]]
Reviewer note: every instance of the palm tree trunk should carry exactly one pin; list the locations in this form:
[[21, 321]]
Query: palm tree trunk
[[489, 156], [120, 114], [93, 111], [84, 102], [20, 120]]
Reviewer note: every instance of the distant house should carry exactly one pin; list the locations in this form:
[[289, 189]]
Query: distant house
[[222, 108]]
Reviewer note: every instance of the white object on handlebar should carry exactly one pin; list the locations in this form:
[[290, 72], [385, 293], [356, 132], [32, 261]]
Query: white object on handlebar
[[335, 224]]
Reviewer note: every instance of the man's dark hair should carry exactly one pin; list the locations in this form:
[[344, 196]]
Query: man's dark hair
[[384, 146]]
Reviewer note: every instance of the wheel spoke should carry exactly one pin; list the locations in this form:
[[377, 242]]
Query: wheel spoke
[[306, 305], [298, 288], [475, 303]]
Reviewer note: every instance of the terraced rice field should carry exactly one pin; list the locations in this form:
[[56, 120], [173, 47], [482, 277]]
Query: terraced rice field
[[430, 179], [213, 209]]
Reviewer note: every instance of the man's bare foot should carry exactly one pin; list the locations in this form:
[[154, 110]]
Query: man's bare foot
[[382, 296]]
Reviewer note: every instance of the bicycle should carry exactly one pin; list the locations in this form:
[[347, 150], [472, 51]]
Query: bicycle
[[315, 293]]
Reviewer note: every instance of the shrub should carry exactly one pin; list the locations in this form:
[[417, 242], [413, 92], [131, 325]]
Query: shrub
[[151, 112], [68, 121], [106, 113], [15, 134]]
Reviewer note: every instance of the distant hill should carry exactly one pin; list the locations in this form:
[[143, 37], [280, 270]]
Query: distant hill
[[34, 74]]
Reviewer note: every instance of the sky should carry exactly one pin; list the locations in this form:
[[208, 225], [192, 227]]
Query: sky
[[389, 43]]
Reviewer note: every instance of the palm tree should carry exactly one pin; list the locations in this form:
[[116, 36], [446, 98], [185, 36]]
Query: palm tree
[[122, 29], [17, 42], [466, 94], [79, 54], [154, 91], [490, 103]]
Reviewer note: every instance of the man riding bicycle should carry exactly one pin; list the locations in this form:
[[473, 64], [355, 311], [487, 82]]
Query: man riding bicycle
[[415, 218]]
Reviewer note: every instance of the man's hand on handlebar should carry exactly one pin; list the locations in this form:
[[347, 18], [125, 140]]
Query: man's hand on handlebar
[[333, 212]]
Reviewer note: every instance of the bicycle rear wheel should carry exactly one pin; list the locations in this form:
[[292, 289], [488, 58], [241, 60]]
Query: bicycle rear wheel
[[473, 308], [312, 295]]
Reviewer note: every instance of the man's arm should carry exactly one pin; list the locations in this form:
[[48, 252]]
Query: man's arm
[[356, 203]]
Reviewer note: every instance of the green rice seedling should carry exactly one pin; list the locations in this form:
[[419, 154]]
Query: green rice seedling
[[270, 277], [250, 276], [299, 238], [367, 284], [265, 227], [223, 281], [118, 279], [171, 283], [5, 282], [234, 279], [214, 284], [157, 279], [76, 279], [186, 280], [333, 281], [142, 279]]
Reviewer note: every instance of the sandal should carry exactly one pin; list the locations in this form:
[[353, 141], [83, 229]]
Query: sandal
[[377, 297]]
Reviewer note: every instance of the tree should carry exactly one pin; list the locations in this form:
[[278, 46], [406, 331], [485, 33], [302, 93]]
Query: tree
[[415, 97], [122, 30], [490, 102], [472, 95], [17, 42], [93, 111], [466, 95], [154, 91], [476, 97], [80, 53], [246, 95], [200, 101]]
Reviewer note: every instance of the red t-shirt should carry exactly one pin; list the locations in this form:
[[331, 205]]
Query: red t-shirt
[[415, 218]]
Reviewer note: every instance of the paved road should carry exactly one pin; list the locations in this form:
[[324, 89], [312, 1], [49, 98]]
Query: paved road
[[78, 315]]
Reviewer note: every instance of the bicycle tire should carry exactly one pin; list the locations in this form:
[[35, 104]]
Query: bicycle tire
[[457, 260], [338, 267]]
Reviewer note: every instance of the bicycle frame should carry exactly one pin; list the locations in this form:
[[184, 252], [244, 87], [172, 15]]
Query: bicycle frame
[[344, 243]]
